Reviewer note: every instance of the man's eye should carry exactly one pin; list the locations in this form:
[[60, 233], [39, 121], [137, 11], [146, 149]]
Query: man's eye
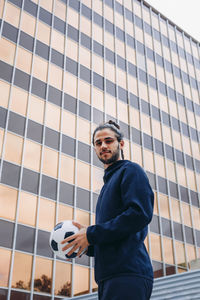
[[98, 143], [109, 141]]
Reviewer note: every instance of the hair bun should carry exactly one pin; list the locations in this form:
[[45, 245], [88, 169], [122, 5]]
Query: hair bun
[[114, 124]]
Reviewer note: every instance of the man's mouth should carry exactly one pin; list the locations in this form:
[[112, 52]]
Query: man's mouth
[[104, 152]]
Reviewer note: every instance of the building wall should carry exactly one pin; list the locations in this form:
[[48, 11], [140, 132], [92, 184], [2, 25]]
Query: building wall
[[65, 67]]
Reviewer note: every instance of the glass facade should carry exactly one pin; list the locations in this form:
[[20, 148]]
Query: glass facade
[[65, 67]]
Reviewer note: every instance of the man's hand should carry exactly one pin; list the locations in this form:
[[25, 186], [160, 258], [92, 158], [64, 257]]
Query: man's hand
[[79, 240]]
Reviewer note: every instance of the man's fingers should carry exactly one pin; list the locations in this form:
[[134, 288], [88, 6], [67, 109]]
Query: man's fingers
[[69, 238], [73, 250], [69, 245], [78, 225]]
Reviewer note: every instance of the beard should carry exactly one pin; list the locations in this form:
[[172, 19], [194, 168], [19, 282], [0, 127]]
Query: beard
[[112, 159]]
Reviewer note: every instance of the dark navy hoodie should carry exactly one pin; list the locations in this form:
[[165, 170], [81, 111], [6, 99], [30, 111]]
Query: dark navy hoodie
[[124, 209]]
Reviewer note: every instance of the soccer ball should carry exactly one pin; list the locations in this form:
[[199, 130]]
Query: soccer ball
[[60, 232]]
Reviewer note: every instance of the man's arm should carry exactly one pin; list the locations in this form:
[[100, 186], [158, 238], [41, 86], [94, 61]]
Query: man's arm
[[137, 197]]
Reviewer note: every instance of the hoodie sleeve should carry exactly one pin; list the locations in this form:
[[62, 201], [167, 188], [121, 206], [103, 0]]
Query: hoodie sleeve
[[137, 198]]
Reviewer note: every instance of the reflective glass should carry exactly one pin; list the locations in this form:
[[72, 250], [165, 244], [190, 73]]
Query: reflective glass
[[5, 256], [22, 268], [81, 280], [43, 275], [27, 209], [63, 279], [83, 175], [13, 141], [168, 251], [46, 214], [67, 165], [8, 200], [155, 247]]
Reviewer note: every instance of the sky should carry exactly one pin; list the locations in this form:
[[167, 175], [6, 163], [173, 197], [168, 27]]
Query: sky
[[184, 13]]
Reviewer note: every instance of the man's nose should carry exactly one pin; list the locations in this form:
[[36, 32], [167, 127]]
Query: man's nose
[[103, 145]]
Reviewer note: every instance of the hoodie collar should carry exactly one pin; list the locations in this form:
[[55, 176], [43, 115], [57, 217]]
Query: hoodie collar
[[112, 169]]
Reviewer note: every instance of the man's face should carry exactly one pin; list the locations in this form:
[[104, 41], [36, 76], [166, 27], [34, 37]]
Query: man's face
[[107, 146]]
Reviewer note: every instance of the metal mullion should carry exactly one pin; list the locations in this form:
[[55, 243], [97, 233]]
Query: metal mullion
[[185, 163], [104, 58], [76, 142], [158, 202], [128, 90], [3, 151], [142, 145], [178, 186], [41, 165], [60, 144], [115, 54], [3, 16], [190, 201], [155, 163], [165, 157], [91, 147]]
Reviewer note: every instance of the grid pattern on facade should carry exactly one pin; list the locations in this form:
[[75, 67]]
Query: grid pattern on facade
[[65, 67]]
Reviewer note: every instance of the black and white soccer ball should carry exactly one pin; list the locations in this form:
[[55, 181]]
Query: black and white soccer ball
[[60, 232]]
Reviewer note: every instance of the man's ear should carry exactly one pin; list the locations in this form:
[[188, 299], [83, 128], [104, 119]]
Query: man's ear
[[121, 144]]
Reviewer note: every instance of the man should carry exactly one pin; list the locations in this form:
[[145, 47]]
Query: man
[[123, 269]]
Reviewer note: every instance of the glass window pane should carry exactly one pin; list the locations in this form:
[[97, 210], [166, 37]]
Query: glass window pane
[[155, 247], [69, 124], [94, 284], [36, 109], [186, 214], [137, 154], [43, 274], [181, 175], [55, 76], [5, 91], [5, 256], [13, 142], [24, 60], [84, 92], [67, 169], [46, 214], [43, 32], [63, 279], [22, 271], [155, 211], [19, 100], [32, 155], [98, 99], [7, 50], [8, 200], [148, 161], [64, 212], [60, 10], [81, 280], [97, 179], [84, 131], [191, 255], [83, 175], [168, 251], [52, 116], [40, 68], [27, 209], [180, 254], [123, 111], [196, 217], [82, 217], [28, 23], [164, 206], [160, 165], [57, 41], [50, 162]]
